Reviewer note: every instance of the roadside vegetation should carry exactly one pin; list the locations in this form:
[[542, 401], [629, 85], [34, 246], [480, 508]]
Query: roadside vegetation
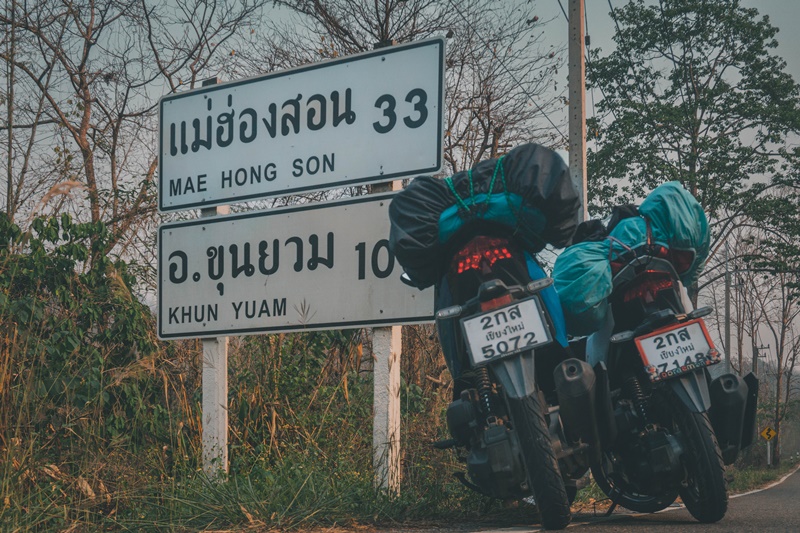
[[100, 422]]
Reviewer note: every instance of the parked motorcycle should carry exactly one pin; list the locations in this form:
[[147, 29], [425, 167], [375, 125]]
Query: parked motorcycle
[[657, 425], [642, 399], [502, 332], [530, 415], [474, 236]]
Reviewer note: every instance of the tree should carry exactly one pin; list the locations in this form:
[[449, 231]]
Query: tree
[[88, 75], [500, 79], [693, 92]]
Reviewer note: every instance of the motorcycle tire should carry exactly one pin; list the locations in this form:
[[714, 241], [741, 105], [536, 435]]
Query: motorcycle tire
[[626, 494], [544, 477], [705, 493]]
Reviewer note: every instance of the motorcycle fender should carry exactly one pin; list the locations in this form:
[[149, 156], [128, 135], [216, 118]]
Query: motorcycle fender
[[692, 389], [517, 375]]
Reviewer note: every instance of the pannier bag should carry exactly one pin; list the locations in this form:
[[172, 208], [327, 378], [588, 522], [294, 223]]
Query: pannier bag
[[670, 218], [527, 193]]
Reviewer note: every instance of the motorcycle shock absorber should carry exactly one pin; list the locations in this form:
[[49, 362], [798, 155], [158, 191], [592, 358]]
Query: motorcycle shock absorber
[[634, 389], [484, 386]]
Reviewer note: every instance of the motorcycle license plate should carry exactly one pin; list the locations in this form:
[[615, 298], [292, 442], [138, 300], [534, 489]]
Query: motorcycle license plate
[[505, 331], [677, 349]]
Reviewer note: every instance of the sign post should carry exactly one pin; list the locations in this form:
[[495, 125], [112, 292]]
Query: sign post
[[215, 394], [768, 434], [300, 268], [387, 348]]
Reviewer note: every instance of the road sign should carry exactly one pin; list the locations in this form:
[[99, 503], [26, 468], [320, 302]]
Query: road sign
[[309, 267], [768, 433], [365, 118]]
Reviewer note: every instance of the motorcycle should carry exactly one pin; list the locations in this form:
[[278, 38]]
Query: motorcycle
[[505, 337], [657, 425], [648, 422]]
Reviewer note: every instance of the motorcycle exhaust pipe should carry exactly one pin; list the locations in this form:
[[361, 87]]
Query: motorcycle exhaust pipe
[[575, 386], [729, 395]]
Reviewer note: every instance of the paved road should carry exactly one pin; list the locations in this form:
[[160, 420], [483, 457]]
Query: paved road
[[775, 509]]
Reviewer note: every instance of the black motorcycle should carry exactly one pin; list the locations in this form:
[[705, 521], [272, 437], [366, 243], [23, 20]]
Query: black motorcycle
[[657, 425], [505, 335]]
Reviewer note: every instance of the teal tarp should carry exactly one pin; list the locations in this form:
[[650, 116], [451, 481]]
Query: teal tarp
[[674, 211], [582, 276], [582, 273]]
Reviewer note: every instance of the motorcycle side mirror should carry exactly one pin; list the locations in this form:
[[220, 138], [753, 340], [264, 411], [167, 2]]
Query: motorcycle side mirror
[[406, 279], [699, 313]]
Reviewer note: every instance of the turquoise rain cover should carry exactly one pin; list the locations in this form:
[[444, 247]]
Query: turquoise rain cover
[[680, 218], [582, 276]]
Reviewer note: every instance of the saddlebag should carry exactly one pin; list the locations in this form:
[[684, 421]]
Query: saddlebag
[[732, 413]]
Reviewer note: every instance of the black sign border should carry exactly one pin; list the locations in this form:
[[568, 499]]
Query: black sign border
[[306, 68], [384, 197]]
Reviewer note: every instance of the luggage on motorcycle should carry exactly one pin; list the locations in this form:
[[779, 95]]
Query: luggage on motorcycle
[[527, 192], [680, 218], [670, 217], [582, 276]]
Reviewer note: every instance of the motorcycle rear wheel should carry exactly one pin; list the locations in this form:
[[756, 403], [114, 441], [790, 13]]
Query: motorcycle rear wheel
[[627, 494], [544, 477], [705, 492]]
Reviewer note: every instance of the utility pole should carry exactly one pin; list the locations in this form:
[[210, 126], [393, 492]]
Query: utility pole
[[727, 311], [577, 103], [756, 351]]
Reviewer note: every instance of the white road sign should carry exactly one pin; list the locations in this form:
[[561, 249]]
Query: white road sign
[[310, 267], [365, 118]]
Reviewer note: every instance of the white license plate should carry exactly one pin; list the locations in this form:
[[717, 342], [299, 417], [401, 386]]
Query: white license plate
[[505, 331], [677, 349]]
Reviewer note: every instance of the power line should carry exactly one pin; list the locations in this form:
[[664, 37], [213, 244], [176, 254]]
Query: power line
[[514, 78], [562, 10]]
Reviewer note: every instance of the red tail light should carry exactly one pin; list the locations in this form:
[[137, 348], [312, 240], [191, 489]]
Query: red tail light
[[681, 259], [649, 285], [481, 252]]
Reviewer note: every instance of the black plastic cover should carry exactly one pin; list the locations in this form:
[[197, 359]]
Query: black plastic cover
[[535, 173]]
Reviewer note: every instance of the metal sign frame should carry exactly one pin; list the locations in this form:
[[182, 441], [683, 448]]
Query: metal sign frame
[[307, 262], [304, 129]]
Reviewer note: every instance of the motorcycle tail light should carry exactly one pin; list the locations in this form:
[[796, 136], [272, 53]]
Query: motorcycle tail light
[[494, 303], [651, 283], [480, 252]]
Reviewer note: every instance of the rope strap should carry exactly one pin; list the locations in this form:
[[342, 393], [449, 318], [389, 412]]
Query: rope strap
[[462, 204]]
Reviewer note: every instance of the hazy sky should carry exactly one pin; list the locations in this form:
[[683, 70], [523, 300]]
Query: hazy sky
[[783, 14]]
